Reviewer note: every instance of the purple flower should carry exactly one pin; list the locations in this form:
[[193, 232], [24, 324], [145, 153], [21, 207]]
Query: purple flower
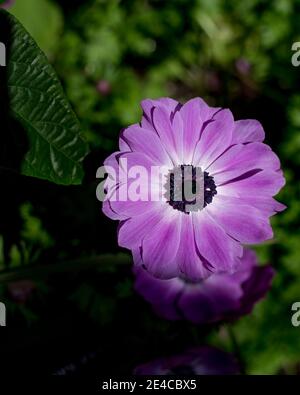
[[103, 87], [7, 4], [20, 291], [243, 66], [240, 177], [219, 297], [199, 361]]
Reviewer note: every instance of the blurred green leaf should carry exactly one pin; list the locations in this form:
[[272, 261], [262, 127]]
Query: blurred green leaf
[[33, 14]]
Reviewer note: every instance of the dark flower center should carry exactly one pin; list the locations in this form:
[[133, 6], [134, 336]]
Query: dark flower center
[[189, 189]]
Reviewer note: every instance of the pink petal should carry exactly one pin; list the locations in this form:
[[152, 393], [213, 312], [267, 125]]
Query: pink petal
[[247, 131], [164, 102], [132, 231], [124, 147], [266, 205], [137, 256], [240, 159], [241, 221], [148, 106], [215, 139], [122, 202], [130, 208], [172, 141], [214, 244], [161, 245], [192, 117], [142, 140], [107, 210], [162, 294], [263, 183], [190, 264]]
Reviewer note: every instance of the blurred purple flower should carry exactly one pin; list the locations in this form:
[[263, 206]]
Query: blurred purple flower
[[20, 291], [241, 174], [212, 81], [103, 87], [7, 4], [243, 66], [220, 297], [199, 361]]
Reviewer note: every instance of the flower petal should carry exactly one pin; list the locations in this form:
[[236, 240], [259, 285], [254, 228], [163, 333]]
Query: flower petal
[[161, 245], [247, 131], [241, 221], [132, 231], [172, 141], [107, 210], [255, 288], [192, 117], [240, 159], [162, 294], [217, 296], [257, 191], [124, 147], [148, 106], [164, 102], [266, 205], [142, 140], [263, 183], [220, 250], [215, 139], [128, 208], [189, 262]]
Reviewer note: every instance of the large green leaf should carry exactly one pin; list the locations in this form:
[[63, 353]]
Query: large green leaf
[[55, 148]]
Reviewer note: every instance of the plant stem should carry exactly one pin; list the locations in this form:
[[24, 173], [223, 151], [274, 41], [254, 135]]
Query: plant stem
[[236, 348], [38, 271]]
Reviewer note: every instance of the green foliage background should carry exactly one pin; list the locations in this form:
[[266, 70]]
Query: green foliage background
[[235, 54]]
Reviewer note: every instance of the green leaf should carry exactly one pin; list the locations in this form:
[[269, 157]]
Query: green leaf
[[37, 102]]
